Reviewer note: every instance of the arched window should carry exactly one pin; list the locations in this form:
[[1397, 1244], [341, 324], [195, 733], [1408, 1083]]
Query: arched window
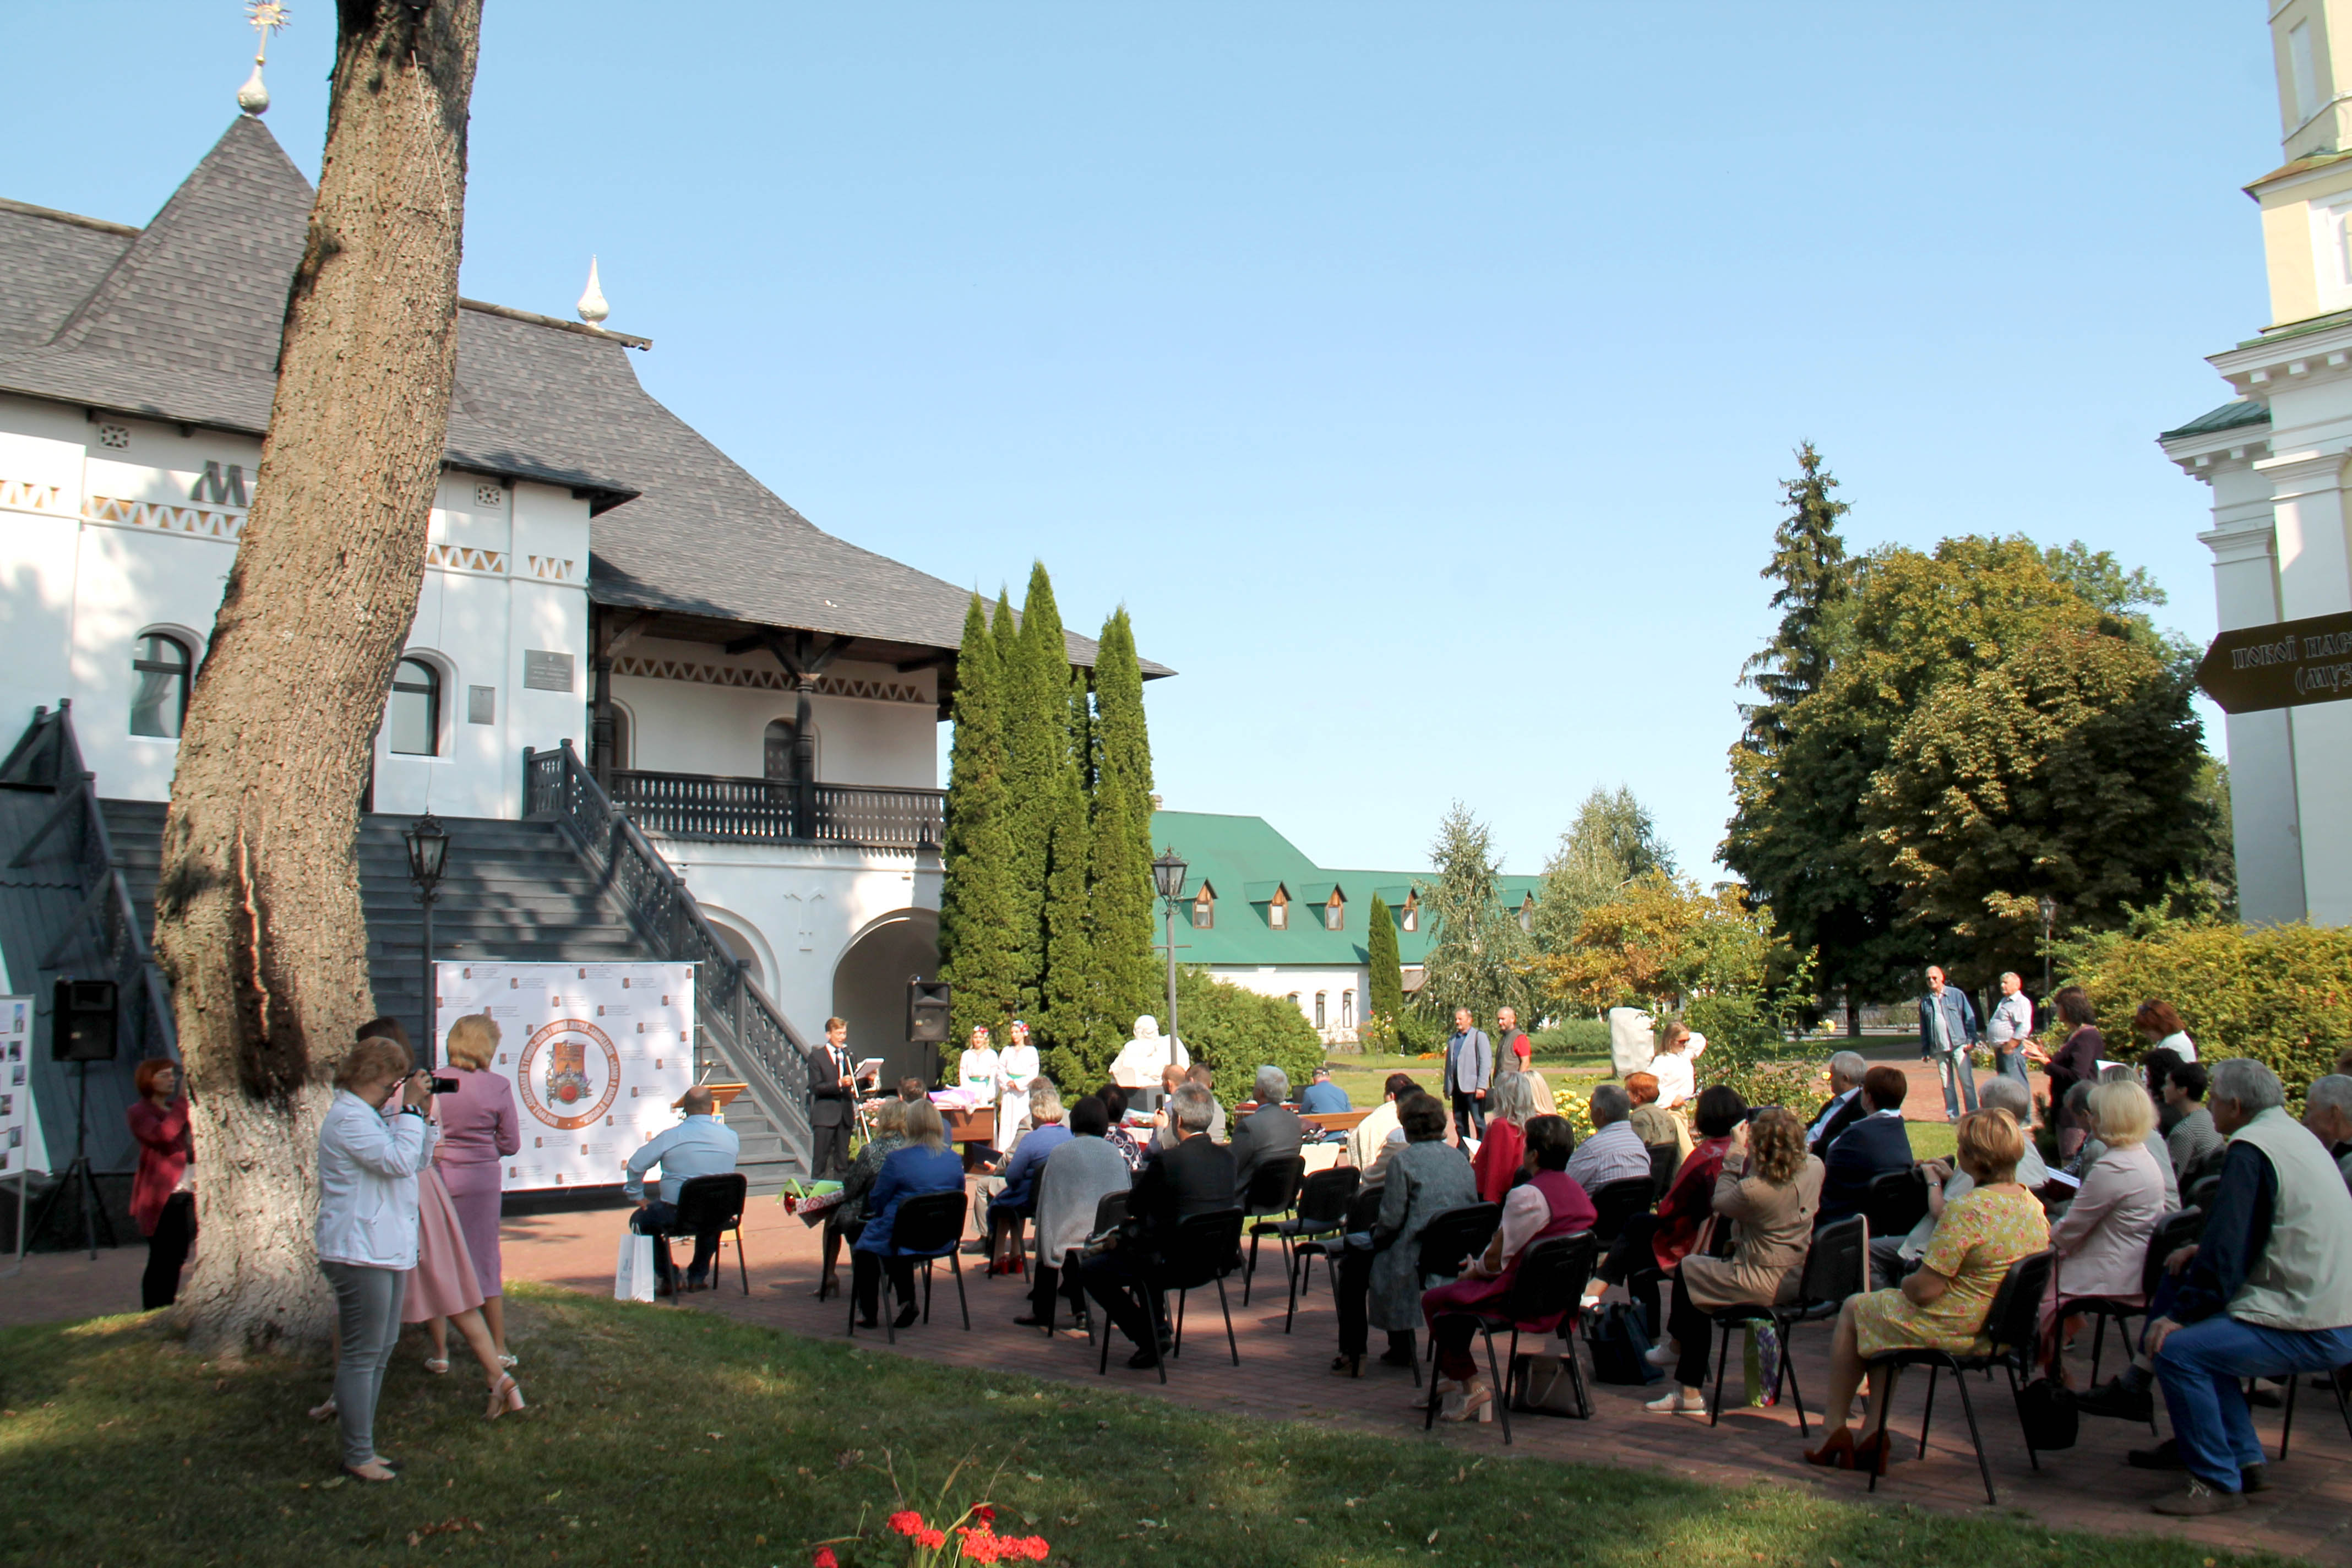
[[621, 737], [778, 746], [1347, 1009], [159, 702], [414, 716], [1318, 1009]]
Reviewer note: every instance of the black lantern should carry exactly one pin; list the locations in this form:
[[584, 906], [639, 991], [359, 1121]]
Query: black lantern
[[428, 860], [1167, 875]]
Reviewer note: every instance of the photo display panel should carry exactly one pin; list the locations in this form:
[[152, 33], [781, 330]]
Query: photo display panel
[[16, 1141]]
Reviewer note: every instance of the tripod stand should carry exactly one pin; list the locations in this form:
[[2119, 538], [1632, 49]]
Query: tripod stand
[[78, 1174]]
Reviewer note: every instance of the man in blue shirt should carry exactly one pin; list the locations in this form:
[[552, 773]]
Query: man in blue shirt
[[701, 1146], [1323, 1098], [1948, 1034]]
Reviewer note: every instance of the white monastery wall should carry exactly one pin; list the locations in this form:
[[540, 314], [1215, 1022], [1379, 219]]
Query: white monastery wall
[[1279, 981], [693, 710]]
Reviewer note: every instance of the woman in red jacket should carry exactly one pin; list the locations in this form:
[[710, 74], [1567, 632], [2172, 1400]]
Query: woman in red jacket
[[164, 1193]]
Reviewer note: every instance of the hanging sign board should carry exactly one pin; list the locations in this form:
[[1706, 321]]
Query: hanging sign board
[[597, 1053], [19, 1133], [2286, 664]]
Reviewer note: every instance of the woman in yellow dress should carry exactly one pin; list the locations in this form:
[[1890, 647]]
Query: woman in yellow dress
[[1943, 1305]]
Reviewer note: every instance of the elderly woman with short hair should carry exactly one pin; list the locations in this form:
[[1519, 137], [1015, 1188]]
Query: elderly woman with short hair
[[2101, 1240], [1942, 1306], [888, 1117], [1016, 1195], [1077, 1176], [1425, 1177], [924, 1165], [1502, 1151], [1656, 1126]]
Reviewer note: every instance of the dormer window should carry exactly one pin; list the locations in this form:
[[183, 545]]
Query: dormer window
[[1205, 909], [1277, 910], [1527, 914], [1409, 915], [1335, 912]]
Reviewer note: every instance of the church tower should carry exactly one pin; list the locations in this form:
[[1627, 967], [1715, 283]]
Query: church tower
[[2307, 201]]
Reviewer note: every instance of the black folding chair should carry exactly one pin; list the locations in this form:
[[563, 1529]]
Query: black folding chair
[[926, 1227], [2336, 1384], [1273, 1191], [2172, 1233], [1110, 1214], [2199, 1193], [1363, 1209], [1323, 1201], [707, 1205], [1201, 1251], [1548, 1283], [1449, 1236], [1895, 1201], [1665, 1159], [1614, 1202], [1837, 1266], [2010, 1331]]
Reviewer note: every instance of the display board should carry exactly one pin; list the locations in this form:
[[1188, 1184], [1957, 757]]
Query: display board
[[598, 1054], [20, 1141]]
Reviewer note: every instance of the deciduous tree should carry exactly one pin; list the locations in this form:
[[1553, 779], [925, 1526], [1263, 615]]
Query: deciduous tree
[[1613, 840], [258, 910]]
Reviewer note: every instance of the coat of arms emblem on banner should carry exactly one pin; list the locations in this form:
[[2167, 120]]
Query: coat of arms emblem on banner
[[570, 1073]]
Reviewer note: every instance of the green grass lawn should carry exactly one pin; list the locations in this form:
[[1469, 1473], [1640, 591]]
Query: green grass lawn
[[678, 1437]]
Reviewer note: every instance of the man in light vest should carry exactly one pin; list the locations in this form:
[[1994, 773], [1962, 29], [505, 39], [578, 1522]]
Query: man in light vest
[[2267, 1292]]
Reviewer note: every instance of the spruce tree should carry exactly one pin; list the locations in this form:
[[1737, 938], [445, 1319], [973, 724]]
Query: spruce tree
[[1384, 983], [1037, 749], [1119, 888], [1478, 957], [976, 955], [1809, 564]]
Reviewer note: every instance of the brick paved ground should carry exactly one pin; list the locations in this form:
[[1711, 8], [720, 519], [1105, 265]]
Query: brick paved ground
[[2308, 1514]]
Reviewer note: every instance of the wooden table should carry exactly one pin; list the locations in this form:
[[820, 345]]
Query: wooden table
[[1336, 1120]]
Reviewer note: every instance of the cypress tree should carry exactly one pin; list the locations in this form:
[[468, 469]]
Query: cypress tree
[[1120, 894], [1069, 984], [1384, 983], [1037, 748], [976, 898]]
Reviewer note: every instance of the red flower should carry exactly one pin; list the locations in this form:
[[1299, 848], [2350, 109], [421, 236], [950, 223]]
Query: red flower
[[985, 1514], [931, 1540], [1033, 1547], [826, 1559], [907, 1521], [980, 1546]]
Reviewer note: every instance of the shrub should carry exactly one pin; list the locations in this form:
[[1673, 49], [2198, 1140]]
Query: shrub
[[2280, 995], [1571, 1038], [1236, 1032]]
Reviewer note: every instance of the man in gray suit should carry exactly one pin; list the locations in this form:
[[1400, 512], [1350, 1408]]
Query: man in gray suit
[[1272, 1132], [1469, 1068]]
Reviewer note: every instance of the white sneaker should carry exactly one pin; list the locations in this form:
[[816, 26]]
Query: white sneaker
[[1662, 1355], [1681, 1402]]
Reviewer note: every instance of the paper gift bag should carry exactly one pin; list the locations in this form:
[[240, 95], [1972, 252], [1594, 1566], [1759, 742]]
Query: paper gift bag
[[632, 1269]]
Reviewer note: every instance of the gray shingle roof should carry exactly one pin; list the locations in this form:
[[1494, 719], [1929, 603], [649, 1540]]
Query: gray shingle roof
[[181, 323]]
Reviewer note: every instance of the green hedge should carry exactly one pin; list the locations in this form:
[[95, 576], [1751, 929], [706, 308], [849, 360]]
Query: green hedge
[[1573, 1037], [2280, 994], [1236, 1032]]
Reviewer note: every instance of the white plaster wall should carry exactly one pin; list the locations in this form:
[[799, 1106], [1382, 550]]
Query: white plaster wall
[[701, 727], [2261, 746], [40, 509], [2315, 574], [800, 907], [1279, 981]]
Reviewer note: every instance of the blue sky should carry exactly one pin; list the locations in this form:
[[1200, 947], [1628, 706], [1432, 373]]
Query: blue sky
[[1421, 376]]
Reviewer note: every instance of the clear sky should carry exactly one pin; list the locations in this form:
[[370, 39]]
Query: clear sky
[[1419, 375]]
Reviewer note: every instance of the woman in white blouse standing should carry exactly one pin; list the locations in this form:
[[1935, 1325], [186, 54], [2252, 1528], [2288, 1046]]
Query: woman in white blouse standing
[[1674, 1066], [368, 1165]]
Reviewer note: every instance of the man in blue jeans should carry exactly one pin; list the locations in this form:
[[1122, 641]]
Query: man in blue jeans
[[2008, 1030], [1948, 1033], [2268, 1292], [700, 1145]]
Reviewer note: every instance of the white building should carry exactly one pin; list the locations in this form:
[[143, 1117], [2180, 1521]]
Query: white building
[[760, 699]]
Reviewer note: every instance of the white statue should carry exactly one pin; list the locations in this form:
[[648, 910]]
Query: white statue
[[1140, 1061]]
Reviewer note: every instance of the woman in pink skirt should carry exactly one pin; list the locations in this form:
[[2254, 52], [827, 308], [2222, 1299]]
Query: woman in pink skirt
[[480, 1128]]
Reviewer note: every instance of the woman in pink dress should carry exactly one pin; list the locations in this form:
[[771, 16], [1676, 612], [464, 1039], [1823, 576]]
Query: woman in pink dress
[[479, 1129]]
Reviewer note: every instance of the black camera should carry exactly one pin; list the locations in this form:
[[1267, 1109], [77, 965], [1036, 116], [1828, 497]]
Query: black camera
[[445, 1086]]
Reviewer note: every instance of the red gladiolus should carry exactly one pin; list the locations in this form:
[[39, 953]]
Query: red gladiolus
[[907, 1521]]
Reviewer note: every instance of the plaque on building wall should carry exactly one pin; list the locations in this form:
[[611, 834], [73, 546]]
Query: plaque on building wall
[[545, 671], [482, 704], [2283, 665]]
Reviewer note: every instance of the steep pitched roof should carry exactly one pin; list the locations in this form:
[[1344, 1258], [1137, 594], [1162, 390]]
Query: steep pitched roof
[[181, 321]]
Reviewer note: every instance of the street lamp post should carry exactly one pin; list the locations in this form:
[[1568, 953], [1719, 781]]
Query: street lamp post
[[428, 858], [2049, 916], [1168, 876]]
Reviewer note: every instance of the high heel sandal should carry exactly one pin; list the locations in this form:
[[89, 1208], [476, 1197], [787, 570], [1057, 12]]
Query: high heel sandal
[[436, 1364], [1477, 1404], [1871, 1453], [1837, 1454], [325, 1412], [505, 1395], [507, 1359]]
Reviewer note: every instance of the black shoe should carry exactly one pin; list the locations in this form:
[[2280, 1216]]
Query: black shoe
[[1144, 1360], [2254, 1478], [2165, 1456], [1028, 1321], [2116, 1400], [695, 1282], [869, 1322], [907, 1316], [1398, 1358]]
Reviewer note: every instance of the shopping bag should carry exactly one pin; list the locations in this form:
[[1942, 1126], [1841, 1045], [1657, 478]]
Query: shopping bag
[[1618, 1340], [632, 1268], [1547, 1383]]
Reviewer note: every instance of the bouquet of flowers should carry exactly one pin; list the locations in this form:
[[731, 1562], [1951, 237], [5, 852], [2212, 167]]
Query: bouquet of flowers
[[913, 1542]]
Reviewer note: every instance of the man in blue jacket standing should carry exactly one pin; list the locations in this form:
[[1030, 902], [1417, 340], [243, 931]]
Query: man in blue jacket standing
[[1948, 1033], [1469, 1068]]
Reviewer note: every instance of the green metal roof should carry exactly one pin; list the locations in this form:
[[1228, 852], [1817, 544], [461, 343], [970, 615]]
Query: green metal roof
[[2228, 417], [1246, 854]]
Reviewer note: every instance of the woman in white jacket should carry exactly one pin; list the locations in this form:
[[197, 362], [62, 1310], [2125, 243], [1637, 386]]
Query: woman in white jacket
[[2101, 1242], [368, 1164]]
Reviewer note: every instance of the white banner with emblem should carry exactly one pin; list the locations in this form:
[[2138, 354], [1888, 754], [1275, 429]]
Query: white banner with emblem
[[597, 1053], [20, 1129]]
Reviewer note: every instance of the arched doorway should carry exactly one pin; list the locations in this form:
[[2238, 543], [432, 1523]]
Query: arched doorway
[[869, 991]]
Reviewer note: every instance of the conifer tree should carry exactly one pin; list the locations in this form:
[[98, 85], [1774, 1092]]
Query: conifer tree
[[1068, 984], [1808, 563], [1120, 889], [1384, 985], [976, 897], [1479, 956], [1037, 750]]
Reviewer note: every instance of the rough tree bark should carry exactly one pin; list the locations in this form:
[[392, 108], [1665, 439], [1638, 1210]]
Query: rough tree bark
[[258, 921]]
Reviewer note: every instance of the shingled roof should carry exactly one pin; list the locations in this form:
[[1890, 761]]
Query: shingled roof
[[180, 322]]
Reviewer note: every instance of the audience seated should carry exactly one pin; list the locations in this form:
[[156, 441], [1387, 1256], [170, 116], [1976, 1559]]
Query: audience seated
[[1194, 1175], [1079, 1172], [1323, 1098], [1845, 1105], [1614, 1153], [2268, 1292], [1651, 1244], [1016, 1195], [2327, 1112], [1942, 1306], [2087, 1159], [1876, 1144], [700, 1145], [1369, 1139], [1547, 1203], [1200, 1076], [1272, 1132], [847, 1217], [1118, 1135], [1500, 1152], [1766, 1189], [2155, 1069], [1892, 1258], [1657, 1127], [1379, 1281], [2102, 1238], [2195, 1143], [926, 1164]]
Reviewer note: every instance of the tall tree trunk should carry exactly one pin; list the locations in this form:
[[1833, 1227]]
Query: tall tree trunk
[[258, 920]]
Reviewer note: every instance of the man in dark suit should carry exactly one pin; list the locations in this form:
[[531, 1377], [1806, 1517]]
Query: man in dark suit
[[1194, 1177], [1872, 1146], [833, 1102], [1272, 1132], [1845, 1106]]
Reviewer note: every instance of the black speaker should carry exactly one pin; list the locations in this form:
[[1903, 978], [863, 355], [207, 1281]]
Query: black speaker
[[82, 1029], [927, 1012]]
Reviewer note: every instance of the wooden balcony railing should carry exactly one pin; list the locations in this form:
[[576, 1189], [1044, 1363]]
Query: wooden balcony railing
[[770, 811]]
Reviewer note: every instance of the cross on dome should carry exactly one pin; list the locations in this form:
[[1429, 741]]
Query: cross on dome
[[265, 16]]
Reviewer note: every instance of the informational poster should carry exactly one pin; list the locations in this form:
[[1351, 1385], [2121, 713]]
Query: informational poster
[[20, 1133], [598, 1055]]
